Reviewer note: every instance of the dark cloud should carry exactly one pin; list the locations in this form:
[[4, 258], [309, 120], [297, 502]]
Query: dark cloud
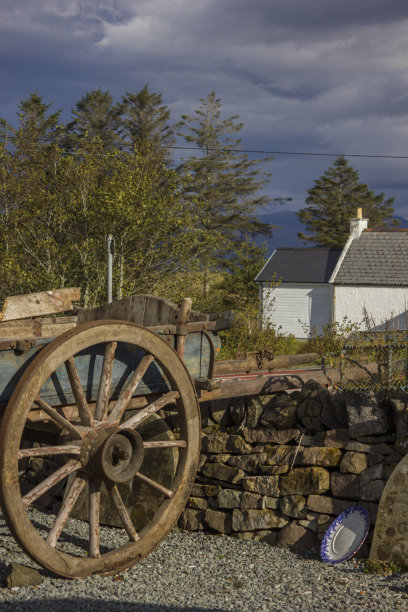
[[317, 76]]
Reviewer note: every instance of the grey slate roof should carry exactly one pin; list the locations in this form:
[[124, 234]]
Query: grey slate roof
[[378, 257], [300, 265]]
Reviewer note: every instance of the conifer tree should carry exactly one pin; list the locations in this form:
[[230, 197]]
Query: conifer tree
[[144, 120], [96, 116], [37, 128], [333, 201], [225, 186]]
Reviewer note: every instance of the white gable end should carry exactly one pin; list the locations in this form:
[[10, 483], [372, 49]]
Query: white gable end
[[291, 305]]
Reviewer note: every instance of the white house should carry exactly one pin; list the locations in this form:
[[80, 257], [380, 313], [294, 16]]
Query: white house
[[322, 285], [303, 298]]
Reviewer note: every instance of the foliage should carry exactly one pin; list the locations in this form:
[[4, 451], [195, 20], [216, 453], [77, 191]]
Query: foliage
[[95, 116], [57, 209], [384, 568], [225, 186], [144, 120], [237, 341], [333, 201], [332, 338]]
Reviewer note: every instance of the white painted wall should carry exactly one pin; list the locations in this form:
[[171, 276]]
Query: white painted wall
[[382, 303], [286, 304]]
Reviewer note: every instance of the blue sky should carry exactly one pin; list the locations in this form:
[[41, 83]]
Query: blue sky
[[320, 76]]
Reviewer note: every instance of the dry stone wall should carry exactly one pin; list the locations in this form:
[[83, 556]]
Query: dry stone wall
[[279, 468]]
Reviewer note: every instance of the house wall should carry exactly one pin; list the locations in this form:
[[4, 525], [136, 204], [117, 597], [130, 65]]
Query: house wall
[[382, 304], [290, 302]]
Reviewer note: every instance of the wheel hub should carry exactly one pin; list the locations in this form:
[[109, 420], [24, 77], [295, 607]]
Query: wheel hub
[[112, 453]]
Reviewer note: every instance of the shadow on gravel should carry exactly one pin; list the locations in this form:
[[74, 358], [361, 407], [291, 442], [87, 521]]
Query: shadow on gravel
[[80, 604]]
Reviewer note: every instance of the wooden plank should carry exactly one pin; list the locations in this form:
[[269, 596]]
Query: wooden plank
[[36, 328], [38, 304]]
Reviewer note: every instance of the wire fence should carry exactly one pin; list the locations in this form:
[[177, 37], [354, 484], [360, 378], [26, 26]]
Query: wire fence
[[370, 361]]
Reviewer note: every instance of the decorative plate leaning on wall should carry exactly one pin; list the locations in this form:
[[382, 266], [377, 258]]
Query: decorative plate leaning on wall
[[345, 535]]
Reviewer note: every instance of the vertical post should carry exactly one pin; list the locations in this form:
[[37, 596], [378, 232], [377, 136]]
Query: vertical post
[[110, 243]]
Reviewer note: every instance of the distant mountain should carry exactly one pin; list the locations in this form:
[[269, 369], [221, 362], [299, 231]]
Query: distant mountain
[[285, 235]]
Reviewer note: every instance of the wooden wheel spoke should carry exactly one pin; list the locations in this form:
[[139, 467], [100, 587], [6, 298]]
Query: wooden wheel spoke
[[78, 391], [165, 444], [154, 485], [128, 390], [141, 416], [58, 418], [102, 401], [49, 482], [66, 509], [94, 512], [123, 513], [45, 451]]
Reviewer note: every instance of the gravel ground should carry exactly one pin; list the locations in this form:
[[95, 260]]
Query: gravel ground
[[205, 572]]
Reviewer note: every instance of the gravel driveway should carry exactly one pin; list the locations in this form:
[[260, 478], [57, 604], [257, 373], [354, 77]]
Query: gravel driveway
[[204, 572]]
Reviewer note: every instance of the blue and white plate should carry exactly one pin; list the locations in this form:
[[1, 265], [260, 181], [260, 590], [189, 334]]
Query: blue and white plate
[[345, 535]]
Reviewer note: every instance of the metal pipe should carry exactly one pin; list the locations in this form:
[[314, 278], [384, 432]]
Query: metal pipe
[[110, 242]]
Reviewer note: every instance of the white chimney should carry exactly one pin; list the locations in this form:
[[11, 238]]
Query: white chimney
[[357, 225]]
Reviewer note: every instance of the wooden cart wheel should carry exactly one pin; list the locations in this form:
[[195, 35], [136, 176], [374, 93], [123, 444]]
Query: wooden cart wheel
[[99, 443]]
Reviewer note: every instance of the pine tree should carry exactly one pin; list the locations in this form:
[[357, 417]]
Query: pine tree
[[37, 128], [96, 116], [144, 119], [333, 201], [225, 186]]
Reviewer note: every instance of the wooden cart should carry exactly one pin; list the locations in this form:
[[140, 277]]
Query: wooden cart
[[80, 413]]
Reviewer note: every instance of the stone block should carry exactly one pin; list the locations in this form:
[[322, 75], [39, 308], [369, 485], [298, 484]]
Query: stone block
[[304, 481], [354, 463], [375, 472], [309, 414], [334, 414], [220, 413], [237, 408], [372, 491], [293, 506], [229, 498], [255, 406], [192, 520], [337, 438], [280, 455], [295, 536], [254, 520], [219, 521], [264, 485], [280, 413], [220, 442], [310, 389], [345, 485], [270, 503], [18, 575], [366, 416], [251, 501], [198, 503], [204, 490], [249, 463], [321, 456], [225, 473], [371, 449], [264, 435]]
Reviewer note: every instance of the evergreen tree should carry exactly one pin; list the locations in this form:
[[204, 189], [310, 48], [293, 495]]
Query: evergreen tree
[[333, 201], [96, 116], [225, 186], [37, 128], [144, 119]]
